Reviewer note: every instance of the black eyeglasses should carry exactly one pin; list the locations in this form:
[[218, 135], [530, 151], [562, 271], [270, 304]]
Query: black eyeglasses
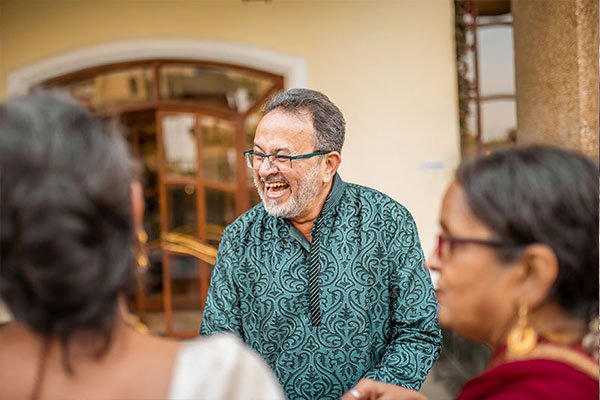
[[445, 243], [254, 159]]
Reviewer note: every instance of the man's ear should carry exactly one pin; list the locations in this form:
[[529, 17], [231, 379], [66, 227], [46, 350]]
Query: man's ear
[[137, 204], [541, 271], [332, 163]]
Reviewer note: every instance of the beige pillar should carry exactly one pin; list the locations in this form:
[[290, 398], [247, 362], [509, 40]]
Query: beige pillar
[[556, 68]]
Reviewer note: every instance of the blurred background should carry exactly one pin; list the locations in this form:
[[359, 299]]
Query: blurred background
[[423, 84]]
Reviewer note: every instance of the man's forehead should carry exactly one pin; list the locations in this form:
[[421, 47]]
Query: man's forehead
[[283, 142], [302, 115], [284, 130]]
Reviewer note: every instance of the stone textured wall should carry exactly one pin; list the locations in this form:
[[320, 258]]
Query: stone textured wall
[[556, 67]]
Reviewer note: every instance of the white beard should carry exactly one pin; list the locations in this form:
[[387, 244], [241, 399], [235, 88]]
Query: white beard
[[307, 190]]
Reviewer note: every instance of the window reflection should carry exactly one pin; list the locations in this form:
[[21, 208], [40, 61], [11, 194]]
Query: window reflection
[[185, 286], [249, 131], [218, 150], [181, 209], [223, 88], [113, 89], [184, 274], [220, 212], [496, 60], [250, 128], [179, 140], [499, 121], [140, 129]]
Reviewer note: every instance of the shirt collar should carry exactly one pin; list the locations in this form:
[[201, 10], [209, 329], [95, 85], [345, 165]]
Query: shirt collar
[[335, 194]]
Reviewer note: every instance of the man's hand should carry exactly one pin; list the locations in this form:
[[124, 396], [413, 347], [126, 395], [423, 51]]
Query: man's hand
[[368, 389]]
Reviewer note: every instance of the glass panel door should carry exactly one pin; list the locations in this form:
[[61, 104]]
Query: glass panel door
[[219, 175], [181, 208], [179, 143], [198, 199], [188, 123], [218, 150], [214, 86], [180, 213], [139, 128], [114, 89], [250, 125], [220, 212]]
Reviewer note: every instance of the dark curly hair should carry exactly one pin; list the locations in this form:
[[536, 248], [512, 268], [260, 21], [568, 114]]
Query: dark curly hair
[[66, 229], [546, 195]]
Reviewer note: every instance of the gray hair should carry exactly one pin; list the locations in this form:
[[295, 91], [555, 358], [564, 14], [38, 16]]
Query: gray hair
[[327, 119], [66, 205]]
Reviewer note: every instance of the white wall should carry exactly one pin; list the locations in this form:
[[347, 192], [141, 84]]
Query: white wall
[[388, 65]]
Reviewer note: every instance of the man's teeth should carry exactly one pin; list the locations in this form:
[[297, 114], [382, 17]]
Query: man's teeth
[[275, 184]]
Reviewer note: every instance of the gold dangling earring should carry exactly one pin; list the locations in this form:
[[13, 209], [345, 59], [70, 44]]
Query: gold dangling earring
[[522, 338], [141, 258]]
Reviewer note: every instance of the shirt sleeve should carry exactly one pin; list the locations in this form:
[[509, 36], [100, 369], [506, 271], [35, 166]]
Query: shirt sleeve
[[415, 333], [222, 309]]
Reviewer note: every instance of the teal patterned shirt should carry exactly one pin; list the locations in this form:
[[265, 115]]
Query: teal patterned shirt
[[378, 307]]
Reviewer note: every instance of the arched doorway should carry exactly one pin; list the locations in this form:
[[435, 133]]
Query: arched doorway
[[188, 122]]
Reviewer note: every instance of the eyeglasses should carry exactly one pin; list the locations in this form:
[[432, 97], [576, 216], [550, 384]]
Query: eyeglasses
[[445, 243], [254, 159]]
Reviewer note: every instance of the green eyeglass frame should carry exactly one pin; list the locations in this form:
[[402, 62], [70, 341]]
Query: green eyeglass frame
[[255, 159]]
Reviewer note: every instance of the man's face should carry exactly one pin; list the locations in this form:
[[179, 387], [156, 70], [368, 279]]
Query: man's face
[[287, 192]]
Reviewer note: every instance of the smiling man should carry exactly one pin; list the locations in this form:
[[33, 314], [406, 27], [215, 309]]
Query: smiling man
[[324, 279]]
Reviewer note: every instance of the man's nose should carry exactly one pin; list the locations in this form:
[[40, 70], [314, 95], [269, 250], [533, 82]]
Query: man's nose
[[266, 167]]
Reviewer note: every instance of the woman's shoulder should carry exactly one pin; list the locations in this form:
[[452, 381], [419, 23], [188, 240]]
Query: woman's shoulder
[[221, 367], [213, 353]]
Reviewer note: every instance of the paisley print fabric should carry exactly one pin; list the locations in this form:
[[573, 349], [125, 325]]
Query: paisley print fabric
[[378, 308]]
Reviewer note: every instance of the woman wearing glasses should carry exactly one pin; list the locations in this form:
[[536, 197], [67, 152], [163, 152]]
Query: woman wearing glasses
[[517, 259]]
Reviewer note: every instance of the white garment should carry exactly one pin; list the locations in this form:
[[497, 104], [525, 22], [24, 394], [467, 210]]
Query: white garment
[[221, 367]]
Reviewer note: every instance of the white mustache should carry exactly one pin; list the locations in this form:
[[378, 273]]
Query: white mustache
[[275, 178]]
